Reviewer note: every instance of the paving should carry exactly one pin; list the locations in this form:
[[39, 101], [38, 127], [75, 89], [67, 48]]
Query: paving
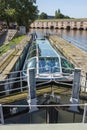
[[7, 35], [77, 56], [10, 34]]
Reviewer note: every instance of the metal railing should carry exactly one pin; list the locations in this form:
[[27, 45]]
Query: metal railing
[[18, 79], [55, 109]]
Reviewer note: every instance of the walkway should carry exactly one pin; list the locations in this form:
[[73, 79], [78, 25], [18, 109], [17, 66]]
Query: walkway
[[10, 34], [74, 54]]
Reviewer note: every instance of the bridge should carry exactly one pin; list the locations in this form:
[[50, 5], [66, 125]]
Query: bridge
[[68, 24]]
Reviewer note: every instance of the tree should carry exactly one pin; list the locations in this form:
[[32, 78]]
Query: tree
[[2, 8], [21, 11], [59, 15], [10, 15], [26, 12], [59, 11], [7, 14], [43, 16]]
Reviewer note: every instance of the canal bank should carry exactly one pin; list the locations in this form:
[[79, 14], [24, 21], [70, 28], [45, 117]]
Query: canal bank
[[74, 54], [71, 52], [13, 61]]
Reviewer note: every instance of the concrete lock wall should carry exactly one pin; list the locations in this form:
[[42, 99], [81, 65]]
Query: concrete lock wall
[[16, 67]]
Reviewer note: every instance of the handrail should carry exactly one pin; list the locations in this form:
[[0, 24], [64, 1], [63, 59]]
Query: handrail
[[14, 109], [22, 78]]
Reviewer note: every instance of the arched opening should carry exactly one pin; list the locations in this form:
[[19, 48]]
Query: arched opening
[[74, 28], [62, 28], [56, 28], [38, 27], [51, 27], [68, 28], [80, 28], [42, 27], [47, 27]]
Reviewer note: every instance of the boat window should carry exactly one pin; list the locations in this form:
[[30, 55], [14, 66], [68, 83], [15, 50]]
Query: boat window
[[33, 46], [49, 64], [32, 51], [31, 54], [67, 67], [30, 64]]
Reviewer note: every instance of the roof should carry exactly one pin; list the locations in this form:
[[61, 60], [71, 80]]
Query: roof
[[46, 49]]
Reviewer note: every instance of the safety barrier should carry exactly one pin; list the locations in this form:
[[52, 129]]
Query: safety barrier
[[19, 80], [56, 113], [52, 110]]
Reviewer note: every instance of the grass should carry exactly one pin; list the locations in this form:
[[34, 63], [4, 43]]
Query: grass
[[15, 41]]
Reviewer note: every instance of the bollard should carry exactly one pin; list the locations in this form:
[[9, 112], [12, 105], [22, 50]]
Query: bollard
[[75, 90], [31, 89], [76, 84], [1, 115]]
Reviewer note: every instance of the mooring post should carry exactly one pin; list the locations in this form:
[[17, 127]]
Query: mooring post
[[1, 115], [75, 90], [84, 114], [31, 89]]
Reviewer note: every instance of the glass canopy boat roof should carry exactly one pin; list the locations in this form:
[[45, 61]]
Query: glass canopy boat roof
[[48, 63]]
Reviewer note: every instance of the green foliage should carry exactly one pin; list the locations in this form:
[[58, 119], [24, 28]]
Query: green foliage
[[59, 15], [10, 15], [15, 41], [6, 12], [21, 11], [2, 7], [43, 16], [26, 12]]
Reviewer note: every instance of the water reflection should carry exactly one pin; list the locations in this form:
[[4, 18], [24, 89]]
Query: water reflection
[[76, 37]]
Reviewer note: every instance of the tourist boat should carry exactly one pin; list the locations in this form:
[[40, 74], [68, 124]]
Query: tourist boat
[[49, 64]]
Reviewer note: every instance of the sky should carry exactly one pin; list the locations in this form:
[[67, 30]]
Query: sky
[[72, 8]]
